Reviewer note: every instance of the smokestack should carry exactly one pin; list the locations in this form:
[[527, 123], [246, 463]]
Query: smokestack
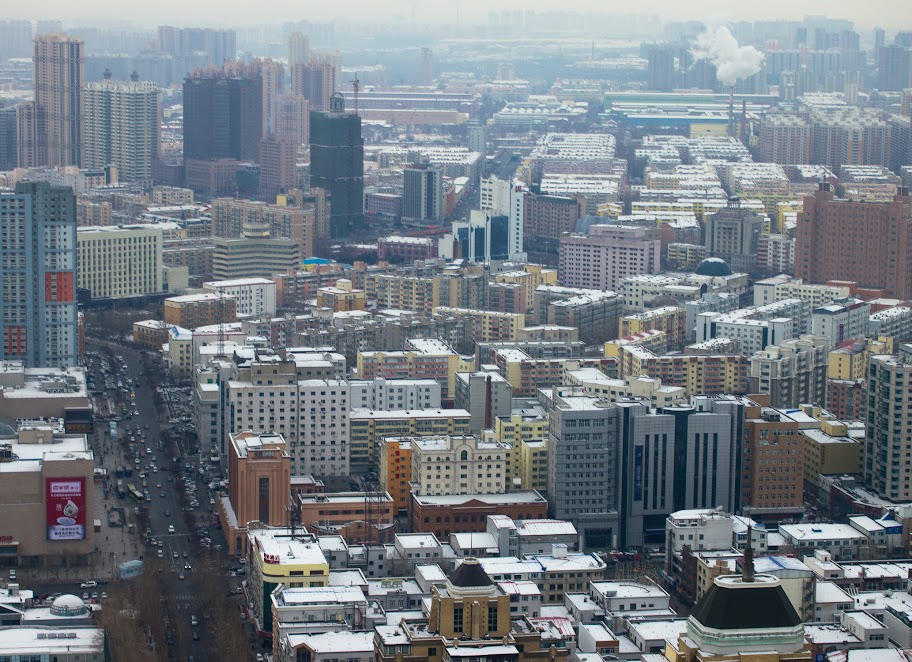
[[743, 132], [731, 111]]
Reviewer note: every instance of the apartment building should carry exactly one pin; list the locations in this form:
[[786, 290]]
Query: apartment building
[[608, 253], [115, 262], [458, 465]]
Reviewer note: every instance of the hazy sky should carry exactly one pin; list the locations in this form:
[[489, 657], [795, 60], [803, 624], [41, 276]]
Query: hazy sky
[[892, 14]]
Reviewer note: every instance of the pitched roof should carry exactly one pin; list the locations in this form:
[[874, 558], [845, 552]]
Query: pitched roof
[[469, 574]]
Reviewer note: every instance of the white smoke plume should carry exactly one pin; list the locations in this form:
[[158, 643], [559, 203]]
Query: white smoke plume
[[733, 62]]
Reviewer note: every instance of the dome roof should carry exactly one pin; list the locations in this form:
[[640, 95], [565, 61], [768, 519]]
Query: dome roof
[[69, 605], [713, 266], [470, 574]]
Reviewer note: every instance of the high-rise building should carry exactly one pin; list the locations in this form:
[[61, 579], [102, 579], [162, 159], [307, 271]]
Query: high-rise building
[[15, 39], [121, 127], [865, 242], [507, 198], [292, 119], [606, 255], [793, 372], [277, 166], [894, 68], [223, 122], [259, 477], [772, 474], [55, 126], [422, 193], [337, 165], [38, 322], [660, 71], [477, 135], [427, 60], [785, 138], [298, 49], [9, 142], [315, 80], [848, 135], [887, 467], [733, 234], [219, 46]]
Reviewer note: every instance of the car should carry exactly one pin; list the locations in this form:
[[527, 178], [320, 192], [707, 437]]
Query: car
[[147, 426], [218, 547], [187, 567], [162, 494], [160, 554], [260, 657], [159, 486], [174, 554], [170, 528], [85, 597], [89, 583], [104, 595], [194, 621], [94, 595], [167, 513], [186, 554], [181, 576]]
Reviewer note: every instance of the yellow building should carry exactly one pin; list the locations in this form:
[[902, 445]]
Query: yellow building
[[830, 451], [341, 298], [532, 276], [670, 319], [851, 362], [414, 293], [275, 556], [486, 325], [653, 340], [395, 455], [785, 210], [533, 460], [367, 427]]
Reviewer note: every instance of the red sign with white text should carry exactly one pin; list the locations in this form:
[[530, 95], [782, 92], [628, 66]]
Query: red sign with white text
[[65, 503]]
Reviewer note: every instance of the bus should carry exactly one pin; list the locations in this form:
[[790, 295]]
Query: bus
[[135, 493], [113, 429], [121, 492]]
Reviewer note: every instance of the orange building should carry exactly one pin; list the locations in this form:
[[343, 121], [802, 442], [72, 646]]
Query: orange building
[[443, 515], [772, 469], [359, 517], [395, 458], [259, 485], [193, 310]]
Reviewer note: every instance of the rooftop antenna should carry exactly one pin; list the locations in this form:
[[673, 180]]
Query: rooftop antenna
[[747, 575], [356, 86]]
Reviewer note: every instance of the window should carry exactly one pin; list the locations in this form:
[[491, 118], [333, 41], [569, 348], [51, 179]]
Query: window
[[457, 619], [492, 618], [264, 500]]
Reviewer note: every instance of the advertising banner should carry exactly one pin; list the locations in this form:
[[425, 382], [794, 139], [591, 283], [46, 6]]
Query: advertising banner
[[66, 508]]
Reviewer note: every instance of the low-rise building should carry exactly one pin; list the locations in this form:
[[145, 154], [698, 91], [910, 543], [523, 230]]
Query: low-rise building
[[447, 514]]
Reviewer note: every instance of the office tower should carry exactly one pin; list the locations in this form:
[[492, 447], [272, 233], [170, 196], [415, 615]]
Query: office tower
[[887, 467], [315, 80], [298, 49], [785, 138], [277, 166], [477, 135], [219, 46], [8, 139], [866, 242], [59, 75], [223, 124], [733, 234], [507, 198], [879, 42], [427, 58], [121, 127], [292, 116], [337, 165], [660, 70], [422, 193], [15, 39], [894, 71], [608, 254], [37, 272]]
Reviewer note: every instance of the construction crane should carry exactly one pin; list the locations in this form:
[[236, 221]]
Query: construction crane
[[356, 86]]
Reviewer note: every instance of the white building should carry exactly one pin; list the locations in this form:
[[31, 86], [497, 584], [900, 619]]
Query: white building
[[777, 288], [844, 319], [388, 394], [254, 296], [506, 197], [458, 465], [113, 262]]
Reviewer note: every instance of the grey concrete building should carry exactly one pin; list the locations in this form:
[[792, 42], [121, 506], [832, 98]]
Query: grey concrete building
[[485, 395]]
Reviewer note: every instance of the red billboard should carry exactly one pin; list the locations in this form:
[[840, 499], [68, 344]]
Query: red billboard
[[66, 509]]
